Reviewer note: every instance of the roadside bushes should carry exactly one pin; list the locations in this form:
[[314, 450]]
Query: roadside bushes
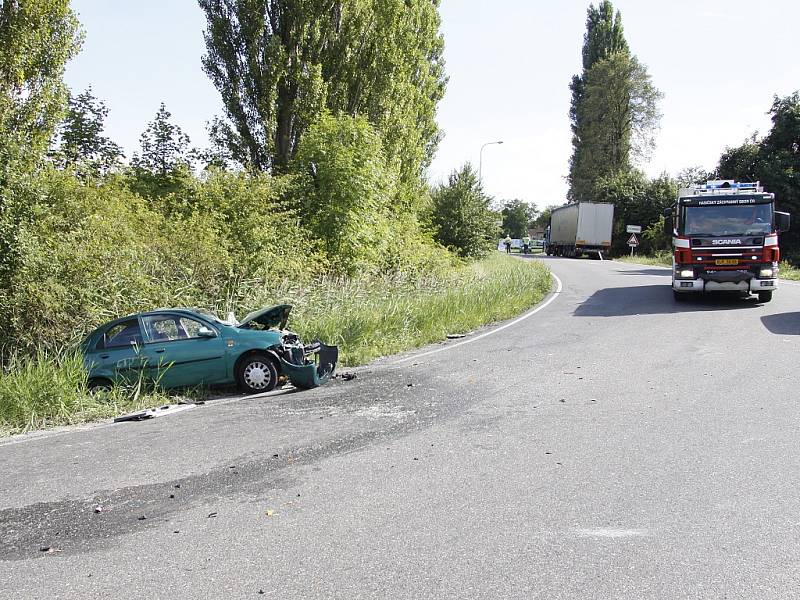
[[90, 252], [461, 216]]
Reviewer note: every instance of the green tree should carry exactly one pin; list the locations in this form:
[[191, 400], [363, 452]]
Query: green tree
[[461, 216], [82, 145], [775, 162], [694, 176], [604, 36], [614, 108], [279, 63], [165, 147], [542, 220], [619, 114], [517, 218], [637, 200], [37, 38], [345, 189]]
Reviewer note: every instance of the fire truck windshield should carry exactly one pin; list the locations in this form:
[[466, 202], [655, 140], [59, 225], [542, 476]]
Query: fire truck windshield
[[718, 221]]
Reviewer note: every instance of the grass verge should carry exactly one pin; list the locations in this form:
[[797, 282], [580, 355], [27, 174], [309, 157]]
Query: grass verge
[[659, 259], [47, 390], [367, 318]]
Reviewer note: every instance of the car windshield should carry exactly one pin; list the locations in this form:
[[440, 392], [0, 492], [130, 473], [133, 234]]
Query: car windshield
[[717, 221]]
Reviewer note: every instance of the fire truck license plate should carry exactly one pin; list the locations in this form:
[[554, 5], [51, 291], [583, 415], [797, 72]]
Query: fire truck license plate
[[727, 261]]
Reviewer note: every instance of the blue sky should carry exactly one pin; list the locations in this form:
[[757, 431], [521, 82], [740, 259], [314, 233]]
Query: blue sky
[[718, 63]]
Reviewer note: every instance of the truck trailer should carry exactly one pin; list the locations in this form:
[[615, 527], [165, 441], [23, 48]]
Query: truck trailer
[[580, 228], [725, 238]]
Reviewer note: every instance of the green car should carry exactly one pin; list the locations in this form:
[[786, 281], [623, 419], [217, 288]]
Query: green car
[[186, 347]]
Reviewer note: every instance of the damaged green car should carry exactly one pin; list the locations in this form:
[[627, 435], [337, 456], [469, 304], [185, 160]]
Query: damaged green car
[[188, 347]]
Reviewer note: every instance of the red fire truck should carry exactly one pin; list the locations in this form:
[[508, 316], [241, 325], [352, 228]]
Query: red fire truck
[[725, 236]]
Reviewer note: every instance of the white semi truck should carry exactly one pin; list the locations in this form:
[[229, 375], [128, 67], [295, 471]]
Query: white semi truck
[[580, 228]]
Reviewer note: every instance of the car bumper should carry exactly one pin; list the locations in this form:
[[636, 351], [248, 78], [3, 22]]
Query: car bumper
[[752, 286], [316, 373]]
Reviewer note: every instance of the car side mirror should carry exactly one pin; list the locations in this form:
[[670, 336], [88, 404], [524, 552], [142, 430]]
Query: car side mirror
[[783, 221], [205, 332], [668, 224]]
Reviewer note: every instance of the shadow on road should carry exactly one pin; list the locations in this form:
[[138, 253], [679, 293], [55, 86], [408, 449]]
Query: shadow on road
[[659, 272], [783, 323], [655, 300]]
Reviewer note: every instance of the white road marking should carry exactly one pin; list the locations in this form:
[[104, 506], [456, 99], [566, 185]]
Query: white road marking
[[611, 533], [559, 287]]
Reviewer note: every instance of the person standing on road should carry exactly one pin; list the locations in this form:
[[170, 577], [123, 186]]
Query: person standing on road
[[526, 244], [507, 242]]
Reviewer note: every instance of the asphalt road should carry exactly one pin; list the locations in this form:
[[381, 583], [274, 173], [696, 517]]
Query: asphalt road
[[612, 445]]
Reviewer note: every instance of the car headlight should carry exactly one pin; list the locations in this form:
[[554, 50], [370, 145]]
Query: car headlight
[[687, 274], [766, 273]]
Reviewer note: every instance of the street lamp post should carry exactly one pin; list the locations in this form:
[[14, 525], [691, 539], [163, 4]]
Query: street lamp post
[[480, 158]]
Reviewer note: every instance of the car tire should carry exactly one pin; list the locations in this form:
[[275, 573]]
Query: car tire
[[99, 386], [257, 374], [764, 296]]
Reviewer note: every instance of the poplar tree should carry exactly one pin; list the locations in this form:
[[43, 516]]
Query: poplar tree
[[604, 36], [278, 64]]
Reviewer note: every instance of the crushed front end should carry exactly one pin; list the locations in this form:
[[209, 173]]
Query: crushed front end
[[307, 366]]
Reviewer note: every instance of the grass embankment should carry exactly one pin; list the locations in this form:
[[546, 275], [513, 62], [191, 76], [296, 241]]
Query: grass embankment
[[367, 318], [46, 390], [664, 259]]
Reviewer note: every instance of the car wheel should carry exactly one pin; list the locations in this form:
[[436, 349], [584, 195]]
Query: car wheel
[[99, 386], [764, 296], [256, 374]]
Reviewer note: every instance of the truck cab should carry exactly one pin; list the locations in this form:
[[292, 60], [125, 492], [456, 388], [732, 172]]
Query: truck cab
[[725, 238]]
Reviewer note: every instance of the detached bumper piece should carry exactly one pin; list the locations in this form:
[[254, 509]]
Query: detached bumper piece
[[317, 369]]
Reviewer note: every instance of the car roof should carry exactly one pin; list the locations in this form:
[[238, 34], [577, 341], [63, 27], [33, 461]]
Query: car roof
[[158, 311]]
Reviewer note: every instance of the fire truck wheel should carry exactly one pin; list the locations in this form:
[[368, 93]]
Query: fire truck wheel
[[679, 296], [764, 296]]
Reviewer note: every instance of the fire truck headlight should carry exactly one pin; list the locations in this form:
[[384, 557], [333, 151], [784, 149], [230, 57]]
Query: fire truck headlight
[[687, 274], [765, 273]]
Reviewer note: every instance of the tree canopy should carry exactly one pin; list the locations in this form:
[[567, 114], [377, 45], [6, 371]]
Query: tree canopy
[[279, 63], [517, 218], [37, 38], [614, 108], [461, 215], [82, 144], [774, 160]]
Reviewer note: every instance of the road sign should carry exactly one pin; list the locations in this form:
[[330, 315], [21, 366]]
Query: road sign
[[634, 229], [633, 241]]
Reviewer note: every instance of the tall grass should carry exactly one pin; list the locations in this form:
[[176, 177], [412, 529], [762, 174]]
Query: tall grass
[[373, 317], [367, 317], [662, 258], [49, 389]]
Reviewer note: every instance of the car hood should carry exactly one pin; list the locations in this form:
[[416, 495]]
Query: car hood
[[274, 317]]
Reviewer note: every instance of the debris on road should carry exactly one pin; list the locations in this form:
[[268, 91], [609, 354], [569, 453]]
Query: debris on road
[[98, 509], [270, 513], [456, 336], [142, 518], [152, 413], [211, 515], [349, 376]]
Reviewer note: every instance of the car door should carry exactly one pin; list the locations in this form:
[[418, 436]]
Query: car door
[[178, 355], [118, 352]]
